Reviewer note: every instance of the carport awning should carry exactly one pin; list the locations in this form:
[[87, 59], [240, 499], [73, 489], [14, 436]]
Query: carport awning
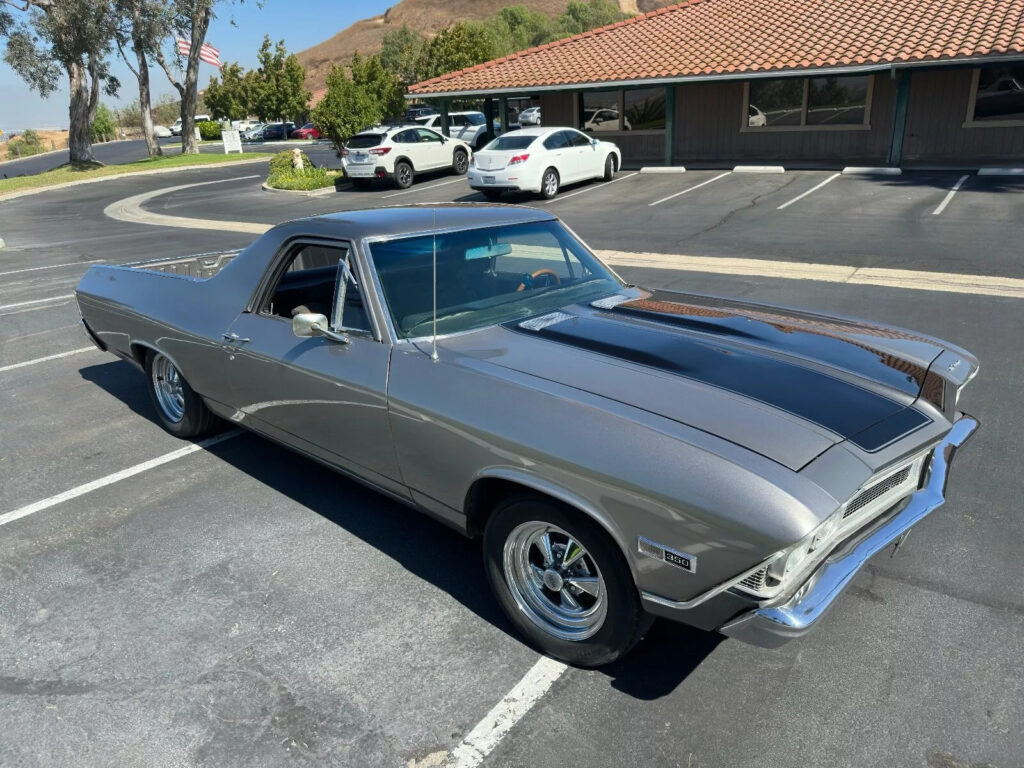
[[708, 39]]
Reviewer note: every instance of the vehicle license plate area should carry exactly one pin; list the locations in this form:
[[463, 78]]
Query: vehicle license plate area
[[488, 179]]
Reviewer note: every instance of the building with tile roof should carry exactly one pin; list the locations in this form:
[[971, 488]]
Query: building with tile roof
[[878, 82]]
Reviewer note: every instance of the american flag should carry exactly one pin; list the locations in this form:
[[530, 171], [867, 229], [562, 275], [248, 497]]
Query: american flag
[[207, 53]]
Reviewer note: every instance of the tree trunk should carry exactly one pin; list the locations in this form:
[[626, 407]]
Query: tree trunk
[[146, 104], [80, 114], [200, 24]]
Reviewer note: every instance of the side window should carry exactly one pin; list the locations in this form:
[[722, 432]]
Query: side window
[[405, 137], [556, 141], [456, 121], [318, 279], [578, 139], [426, 135]]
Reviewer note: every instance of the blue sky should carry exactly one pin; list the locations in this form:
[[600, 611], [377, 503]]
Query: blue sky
[[237, 33]]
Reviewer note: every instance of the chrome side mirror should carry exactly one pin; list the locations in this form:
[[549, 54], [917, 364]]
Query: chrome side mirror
[[308, 324]]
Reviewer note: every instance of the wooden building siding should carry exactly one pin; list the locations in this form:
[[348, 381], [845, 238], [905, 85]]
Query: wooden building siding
[[935, 124], [709, 118], [558, 108]]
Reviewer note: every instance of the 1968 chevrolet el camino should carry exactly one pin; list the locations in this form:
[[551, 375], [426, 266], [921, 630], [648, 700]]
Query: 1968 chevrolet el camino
[[624, 453]]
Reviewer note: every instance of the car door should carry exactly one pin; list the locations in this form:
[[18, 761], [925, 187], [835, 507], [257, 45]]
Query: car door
[[561, 154], [322, 396], [433, 150], [589, 163]]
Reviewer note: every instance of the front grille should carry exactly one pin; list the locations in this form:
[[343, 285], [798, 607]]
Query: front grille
[[756, 581], [877, 490]]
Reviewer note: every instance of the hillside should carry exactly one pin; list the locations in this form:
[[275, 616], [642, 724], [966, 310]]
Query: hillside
[[427, 16]]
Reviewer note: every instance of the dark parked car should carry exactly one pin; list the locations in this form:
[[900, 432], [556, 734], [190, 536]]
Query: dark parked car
[[623, 453], [278, 131], [415, 113]]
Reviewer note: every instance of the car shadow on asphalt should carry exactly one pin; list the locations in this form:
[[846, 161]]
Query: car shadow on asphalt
[[666, 655]]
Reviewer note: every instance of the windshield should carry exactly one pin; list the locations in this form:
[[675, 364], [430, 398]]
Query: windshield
[[475, 118], [510, 143], [486, 276]]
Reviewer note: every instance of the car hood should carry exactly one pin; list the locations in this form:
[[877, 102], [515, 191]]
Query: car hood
[[785, 384]]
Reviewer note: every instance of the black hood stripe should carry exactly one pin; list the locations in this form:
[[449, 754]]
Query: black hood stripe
[[842, 407]]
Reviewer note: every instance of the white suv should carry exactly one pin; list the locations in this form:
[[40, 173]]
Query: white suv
[[399, 152], [471, 127]]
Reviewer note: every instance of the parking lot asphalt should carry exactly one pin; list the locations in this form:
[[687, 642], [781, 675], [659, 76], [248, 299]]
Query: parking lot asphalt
[[243, 606]]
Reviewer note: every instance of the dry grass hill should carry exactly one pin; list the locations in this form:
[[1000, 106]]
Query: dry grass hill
[[427, 16]]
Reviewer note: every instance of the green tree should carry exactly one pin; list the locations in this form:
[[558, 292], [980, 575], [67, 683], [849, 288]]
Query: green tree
[[25, 145], [142, 25], [400, 53], [69, 36], [229, 95], [277, 87], [582, 16], [357, 100], [103, 128], [370, 75], [464, 44], [516, 27]]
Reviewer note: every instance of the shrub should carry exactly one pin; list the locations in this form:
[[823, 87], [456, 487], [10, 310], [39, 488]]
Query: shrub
[[282, 161], [209, 130], [26, 145], [306, 179]]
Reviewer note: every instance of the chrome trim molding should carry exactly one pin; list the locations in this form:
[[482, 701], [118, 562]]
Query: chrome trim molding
[[683, 605], [773, 625]]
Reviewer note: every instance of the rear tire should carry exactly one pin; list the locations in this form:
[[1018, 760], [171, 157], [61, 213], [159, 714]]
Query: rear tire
[[587, 628], [403, 175], [610, 166], [180, 410], [549, 184], [492, 194]]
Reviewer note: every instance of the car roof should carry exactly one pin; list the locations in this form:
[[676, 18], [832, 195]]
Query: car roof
[[538, 130], [395, 221]]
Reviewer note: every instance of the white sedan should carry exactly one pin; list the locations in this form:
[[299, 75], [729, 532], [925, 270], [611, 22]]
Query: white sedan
[[541, 160]]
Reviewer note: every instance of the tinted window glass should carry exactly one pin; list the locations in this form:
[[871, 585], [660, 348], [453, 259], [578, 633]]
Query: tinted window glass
[[1000, 93], [486, 276], [837, 100], [457, 120], [578, 139], [644, 109], [556, 141], [364, 140], [475, 119], [508, 143], [426, 135], [406, 137], [600, 111], [780, 100]]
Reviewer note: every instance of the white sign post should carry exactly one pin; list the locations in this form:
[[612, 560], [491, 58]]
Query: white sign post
[[197, 134], [232, 141]]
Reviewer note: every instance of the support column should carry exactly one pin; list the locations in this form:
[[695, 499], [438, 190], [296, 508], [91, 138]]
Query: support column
[[444, 117], [670, 124], [503, 113], [899, 118], [489, 116]]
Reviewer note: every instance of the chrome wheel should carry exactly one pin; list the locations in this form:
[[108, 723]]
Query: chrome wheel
[[167, 384], [554, 581], [461, 162], [550, 184], [403, 175]]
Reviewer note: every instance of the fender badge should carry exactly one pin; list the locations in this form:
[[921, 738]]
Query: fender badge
[[666, 554]]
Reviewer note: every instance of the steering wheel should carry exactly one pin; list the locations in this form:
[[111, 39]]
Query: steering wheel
[[538, 273]]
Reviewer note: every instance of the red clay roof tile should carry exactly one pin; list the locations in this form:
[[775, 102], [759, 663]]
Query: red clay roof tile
[[701, 37]]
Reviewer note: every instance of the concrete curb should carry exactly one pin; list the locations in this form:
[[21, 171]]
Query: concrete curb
[[155, 172], [853, 170], [758, 169], [324, 192], [663, 169], [1001, 171]]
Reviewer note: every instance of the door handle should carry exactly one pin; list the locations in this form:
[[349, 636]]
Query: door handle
[[234, 338]]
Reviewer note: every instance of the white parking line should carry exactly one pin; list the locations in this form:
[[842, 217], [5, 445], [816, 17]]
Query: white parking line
[[815, 188], [689, 189], [423, 189], [48, 358], [949, 195], [489, 732], [36, 301], [81, 490], [593, 187], [51, 266]]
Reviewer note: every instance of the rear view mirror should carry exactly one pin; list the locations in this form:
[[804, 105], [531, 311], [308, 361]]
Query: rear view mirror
[[309, 324]]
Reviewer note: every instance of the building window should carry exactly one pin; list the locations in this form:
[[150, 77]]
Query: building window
[[641, 109], [809, 103], [997, 96]]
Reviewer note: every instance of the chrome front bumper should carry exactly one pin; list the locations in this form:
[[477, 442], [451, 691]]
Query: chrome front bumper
[[774, 624]]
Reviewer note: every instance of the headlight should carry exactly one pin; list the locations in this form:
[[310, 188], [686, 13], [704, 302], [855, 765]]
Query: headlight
[[790, 563]]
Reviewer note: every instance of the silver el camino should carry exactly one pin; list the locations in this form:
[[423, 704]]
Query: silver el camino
[[623, 453]]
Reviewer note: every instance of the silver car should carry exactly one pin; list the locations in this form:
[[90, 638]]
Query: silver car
[[622, 453]]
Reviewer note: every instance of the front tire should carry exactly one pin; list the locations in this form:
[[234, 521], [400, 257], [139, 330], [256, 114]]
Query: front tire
[[180, 410], [403, 175], [610, 166], [562, 581], [549, 184], [460, 162]]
